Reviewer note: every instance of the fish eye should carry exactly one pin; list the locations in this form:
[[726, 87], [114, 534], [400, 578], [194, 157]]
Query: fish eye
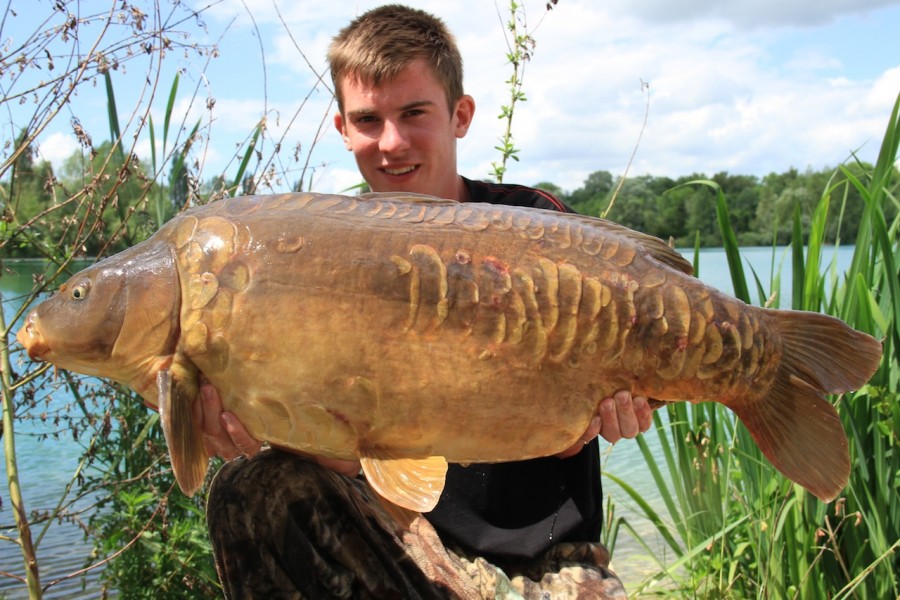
[[80, 291]]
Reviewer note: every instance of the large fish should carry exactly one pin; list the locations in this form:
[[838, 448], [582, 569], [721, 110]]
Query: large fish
[[409, 331]]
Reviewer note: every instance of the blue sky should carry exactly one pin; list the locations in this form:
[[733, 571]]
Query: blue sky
[[743, 87]]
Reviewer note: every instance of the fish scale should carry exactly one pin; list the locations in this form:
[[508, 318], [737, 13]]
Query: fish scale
[[408, 331]]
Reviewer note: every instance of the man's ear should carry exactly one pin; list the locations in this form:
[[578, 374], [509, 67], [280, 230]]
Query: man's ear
[[465, 111], [339, 125]]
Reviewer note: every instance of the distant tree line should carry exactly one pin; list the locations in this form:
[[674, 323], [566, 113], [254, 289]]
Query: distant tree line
[[761, 209]]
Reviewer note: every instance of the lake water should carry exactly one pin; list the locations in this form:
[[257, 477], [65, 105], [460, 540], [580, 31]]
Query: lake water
[[46, 462]]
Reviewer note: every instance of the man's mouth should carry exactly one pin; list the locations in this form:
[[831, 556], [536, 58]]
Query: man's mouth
[[399, 170]]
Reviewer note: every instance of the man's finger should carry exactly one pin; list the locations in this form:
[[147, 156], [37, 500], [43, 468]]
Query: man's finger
[[216, 439], [245, 443], [609, 420], [644, 413], [628, 421], [212, 408], [197, 414]]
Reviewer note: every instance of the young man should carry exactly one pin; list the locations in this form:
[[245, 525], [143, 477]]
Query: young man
[[285, 526]]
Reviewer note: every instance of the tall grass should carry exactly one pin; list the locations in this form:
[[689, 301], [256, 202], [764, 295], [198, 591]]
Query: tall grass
[[731, 526]]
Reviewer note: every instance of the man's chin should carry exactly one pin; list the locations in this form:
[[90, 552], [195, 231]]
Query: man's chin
[[400, 185]]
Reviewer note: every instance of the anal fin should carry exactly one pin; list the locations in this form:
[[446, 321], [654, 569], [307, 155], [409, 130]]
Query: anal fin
[[801, 434], [414, 484], [176, 394]]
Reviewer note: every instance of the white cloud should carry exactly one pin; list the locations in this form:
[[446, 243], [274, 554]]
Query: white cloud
[[883, 93], [336, 180], [56, 148], [746, 14], [719, 100], [731, 86]]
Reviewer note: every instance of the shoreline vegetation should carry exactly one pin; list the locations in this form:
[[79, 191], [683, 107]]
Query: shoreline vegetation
[[732, 527], [761, 210]]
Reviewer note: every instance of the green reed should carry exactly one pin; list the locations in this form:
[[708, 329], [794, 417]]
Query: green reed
[[732, 526]]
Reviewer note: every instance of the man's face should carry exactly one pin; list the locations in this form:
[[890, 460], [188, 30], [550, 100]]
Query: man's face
[[402, 133]]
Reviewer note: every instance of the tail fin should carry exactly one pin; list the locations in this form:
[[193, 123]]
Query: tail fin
[[826, 352], [796, 428]]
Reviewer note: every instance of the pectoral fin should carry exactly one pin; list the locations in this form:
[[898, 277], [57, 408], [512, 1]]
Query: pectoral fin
[[414, 484], [176, 395]]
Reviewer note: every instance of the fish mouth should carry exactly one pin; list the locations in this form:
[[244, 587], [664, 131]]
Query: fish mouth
[[32, 340]]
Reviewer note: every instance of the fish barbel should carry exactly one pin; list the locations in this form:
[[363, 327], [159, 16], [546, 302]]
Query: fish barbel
[[410, 331]]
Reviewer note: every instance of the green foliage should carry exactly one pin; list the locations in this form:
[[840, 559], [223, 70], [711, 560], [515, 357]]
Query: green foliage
[[109, 185], [156, 534], [103, 199], [520, 47], [760, 211], [27, 193], [735, 526], [180, 188]]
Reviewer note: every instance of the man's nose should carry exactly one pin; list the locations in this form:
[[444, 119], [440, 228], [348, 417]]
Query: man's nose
[[393, 138]]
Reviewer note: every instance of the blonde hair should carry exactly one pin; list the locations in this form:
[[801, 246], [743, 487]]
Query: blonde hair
[[376, 46]]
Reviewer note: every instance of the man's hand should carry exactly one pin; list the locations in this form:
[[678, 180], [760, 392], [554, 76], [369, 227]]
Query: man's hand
[[227, 437], [621, 416], [223, 433]]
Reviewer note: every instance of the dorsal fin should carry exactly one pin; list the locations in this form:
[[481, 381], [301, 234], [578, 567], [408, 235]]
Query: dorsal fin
[[654, 246], [406, 197]]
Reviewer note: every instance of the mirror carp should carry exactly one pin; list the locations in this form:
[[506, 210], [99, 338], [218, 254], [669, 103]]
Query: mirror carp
[[409, 331]]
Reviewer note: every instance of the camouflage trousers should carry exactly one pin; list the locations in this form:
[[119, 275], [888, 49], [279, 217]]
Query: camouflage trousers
[[284, 527]]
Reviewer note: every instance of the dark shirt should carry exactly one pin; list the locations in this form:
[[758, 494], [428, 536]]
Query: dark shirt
[[517, 510]]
